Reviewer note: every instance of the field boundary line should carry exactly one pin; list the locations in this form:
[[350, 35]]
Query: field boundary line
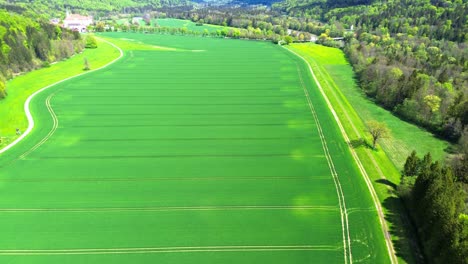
[[383, 223], [149, 250], [27, 110], [165, 209], [334, 174], [142, 179]]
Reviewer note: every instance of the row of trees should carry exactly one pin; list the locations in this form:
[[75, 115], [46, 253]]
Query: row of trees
[[26, 44], [237, 33]]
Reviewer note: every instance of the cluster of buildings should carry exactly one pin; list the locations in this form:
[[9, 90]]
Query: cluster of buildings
[[74, 22]]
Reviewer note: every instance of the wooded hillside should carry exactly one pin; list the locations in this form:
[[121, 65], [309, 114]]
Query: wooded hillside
[[411, 56], [26, 44], [51, 8]]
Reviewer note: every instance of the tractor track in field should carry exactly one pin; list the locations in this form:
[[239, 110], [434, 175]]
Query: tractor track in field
[[174, 249], [51, 132], [341, 198], [166, 209], [377, 204], [143, 179], [179, 156]]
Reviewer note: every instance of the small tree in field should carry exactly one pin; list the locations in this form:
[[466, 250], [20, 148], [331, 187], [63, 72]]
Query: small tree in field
[[377, 130], [3, 92], [86, 65]]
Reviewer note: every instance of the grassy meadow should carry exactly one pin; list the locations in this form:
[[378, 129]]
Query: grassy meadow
[[205, 151]]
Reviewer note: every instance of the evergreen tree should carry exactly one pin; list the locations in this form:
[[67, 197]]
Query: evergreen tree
[[411, 165]]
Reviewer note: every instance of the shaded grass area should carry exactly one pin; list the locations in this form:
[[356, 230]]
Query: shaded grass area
[[190, 150], [131, 44], [12, 115], [192, 26], [336, 77]]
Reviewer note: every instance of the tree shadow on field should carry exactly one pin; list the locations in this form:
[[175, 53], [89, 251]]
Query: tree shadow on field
[[402, 231], [360, 142], [388, 183]]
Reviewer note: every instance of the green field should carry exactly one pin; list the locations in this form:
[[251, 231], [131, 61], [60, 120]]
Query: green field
[[217, 151]]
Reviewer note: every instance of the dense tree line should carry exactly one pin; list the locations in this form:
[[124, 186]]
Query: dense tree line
[[26, 44], [236, 33], [421, 80], [262, 18], [435, 198]]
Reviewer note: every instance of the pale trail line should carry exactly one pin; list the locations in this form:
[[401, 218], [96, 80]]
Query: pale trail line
[[339, 191], [149, 250], [164, 208], [383, 223], [28, 102]]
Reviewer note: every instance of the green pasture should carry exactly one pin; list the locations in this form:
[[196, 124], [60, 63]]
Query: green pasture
[[205, 153]]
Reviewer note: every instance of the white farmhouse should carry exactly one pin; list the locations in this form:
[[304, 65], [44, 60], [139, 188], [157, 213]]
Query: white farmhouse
[[77, 22]]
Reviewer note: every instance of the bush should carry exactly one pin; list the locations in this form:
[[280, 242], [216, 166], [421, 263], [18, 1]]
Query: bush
[[91, 42], [45, 64]]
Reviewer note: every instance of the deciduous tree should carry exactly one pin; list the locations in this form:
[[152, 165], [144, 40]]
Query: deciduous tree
[[377, 130]]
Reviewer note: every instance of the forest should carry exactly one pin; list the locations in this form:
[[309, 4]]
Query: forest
[[27, 44], [56, 8]]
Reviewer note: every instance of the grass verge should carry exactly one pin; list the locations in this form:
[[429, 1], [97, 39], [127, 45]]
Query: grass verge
[[382, 170], [20, 88]]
